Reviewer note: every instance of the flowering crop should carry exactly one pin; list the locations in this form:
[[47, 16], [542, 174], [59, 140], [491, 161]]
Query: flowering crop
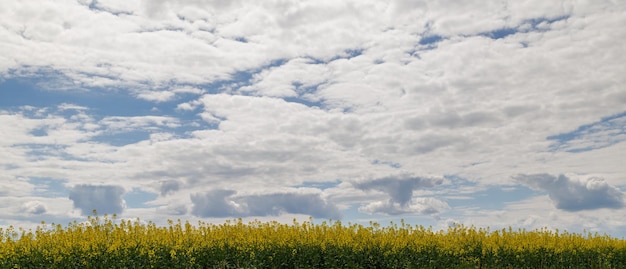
[[111, 243]]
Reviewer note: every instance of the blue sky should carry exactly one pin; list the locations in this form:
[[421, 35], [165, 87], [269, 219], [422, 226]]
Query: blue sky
[[490, 113]]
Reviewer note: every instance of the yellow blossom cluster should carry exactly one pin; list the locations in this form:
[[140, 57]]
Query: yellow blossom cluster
[[104, 242]]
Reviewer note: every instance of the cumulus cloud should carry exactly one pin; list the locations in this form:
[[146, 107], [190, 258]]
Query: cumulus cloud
[[399, 188], [214, 203], [222, 203], [421, 206], [169, 186], [295, 203], [102, 198], [67, 106], [138, 122], [34, 207], [574, 193], [157, 96]]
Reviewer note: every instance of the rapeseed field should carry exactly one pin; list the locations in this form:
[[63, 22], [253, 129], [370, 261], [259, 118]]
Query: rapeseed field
[[104, 242]]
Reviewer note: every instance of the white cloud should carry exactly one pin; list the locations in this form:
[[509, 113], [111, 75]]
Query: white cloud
[[220, 203], [290, 79], [574, 194], [105, 199], [156, 96], [118, 123], [66, 106], [420, 206], [400, 191], [29, 211], [34, 207], [114, 6], [399, 188], [190, 106], [17, 186], [294, 203], [214, 204], [189, 90]]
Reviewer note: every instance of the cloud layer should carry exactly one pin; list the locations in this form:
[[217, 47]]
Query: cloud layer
[[425, 110]]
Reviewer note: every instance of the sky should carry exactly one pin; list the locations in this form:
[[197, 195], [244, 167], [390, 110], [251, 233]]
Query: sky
[[486, 113]]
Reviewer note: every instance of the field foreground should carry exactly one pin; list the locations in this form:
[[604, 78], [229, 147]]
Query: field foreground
[[104, 242]]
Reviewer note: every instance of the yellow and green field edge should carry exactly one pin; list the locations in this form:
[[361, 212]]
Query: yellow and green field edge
[[104, 242]]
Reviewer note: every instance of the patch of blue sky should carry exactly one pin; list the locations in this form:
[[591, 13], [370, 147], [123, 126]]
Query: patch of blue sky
[[603, 133], [538, 21], [38, 90], [137, 198], [501, 33], [430, 39], [39, 132], [530, 25], [495, 197], [49, 187], [122, 139], [427, 42], [17, 92], [463, 193], [304, 101]]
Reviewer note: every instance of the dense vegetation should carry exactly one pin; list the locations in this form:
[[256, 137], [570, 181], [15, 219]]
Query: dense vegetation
[[104, 242]]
